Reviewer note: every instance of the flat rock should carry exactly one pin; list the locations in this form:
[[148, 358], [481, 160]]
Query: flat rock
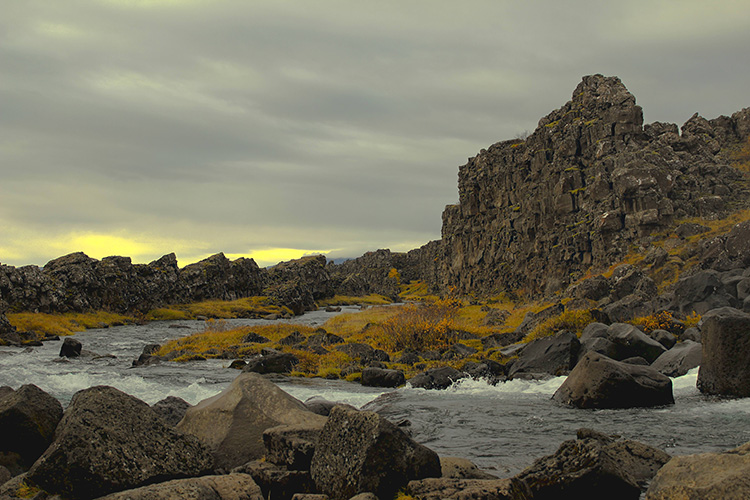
[[231, 424], [225, 487]]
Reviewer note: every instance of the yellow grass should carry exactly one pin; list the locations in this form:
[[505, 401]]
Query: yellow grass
[[65, 324], [417, 290], [573, 321], [348, 300], [241, 308]]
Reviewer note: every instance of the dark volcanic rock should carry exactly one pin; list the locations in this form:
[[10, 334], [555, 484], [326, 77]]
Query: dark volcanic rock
[[436, 378], [28, 418], [71, 348], [278, 482], [108, 441], [171, 409], [554, 355], [292, 445], [725, 368], [359, 451], [380, 377], [594, 466], [271, 361], [601, 382]]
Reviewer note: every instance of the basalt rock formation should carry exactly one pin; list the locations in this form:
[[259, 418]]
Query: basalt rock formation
[[80, 283], [585, 186]]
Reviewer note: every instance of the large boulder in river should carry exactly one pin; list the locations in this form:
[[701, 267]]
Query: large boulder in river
[[381, 377], [705, 476], [554, 355], [725, 368], [108, 441], [360, 451], [271, 361], [231, 423], [225, 487], [601, 382], [70, 348], [28, 418], [593, 466]]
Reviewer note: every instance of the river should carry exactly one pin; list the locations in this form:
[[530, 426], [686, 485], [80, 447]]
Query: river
[[501, 428]]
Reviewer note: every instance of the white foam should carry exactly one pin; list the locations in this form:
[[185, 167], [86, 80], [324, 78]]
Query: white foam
[[482, 388]]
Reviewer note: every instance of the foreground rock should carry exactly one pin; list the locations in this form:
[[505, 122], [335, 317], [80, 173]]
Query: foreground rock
[[108, 441], [706, 476], [601, 382], [593, 466], [276, 481], [725, 368], [293, 445], [359, 451], [226, 487], [171, 409], [28, 418], [465, 489], [231, 423]]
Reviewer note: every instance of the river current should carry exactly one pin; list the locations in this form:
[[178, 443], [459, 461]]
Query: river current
[[501, 428]]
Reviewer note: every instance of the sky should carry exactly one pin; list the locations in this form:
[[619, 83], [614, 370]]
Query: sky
[[276, 129]]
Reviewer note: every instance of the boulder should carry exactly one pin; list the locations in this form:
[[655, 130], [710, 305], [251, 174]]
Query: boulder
[[631, 342], [231, 424], [28, 418], [465, 489], [108, 441], [700, 293], [359, 451], [705, 476], [171, 409], [5, 474], [460, 468], [436, 378], [319, 405], [271, 361], [381, 377], [292, 445], [71, 348], [225, 487], [665, 338], [553, 355], [593, 466], [725, 367], [254, 338], [323, 338], [277, 482], [601, 382], [680, 359], [5, 390], [294, 338]]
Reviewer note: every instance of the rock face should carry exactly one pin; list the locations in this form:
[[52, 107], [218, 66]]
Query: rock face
[[680, 359], [593, 466], [231, 424], [707, 476], [108, 441], [725, 368], [226, 487], [79, 283], [590, 181], [359, 451], [28, 418], [601, 382]]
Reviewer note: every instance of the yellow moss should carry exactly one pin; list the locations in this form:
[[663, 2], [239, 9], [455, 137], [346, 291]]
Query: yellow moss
[[573, 321], [692, 320]]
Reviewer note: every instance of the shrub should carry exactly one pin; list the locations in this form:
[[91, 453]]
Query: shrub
[[421, 327], [659, 321]]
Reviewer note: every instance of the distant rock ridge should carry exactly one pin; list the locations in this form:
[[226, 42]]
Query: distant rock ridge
[[585, 186], [77, 283]]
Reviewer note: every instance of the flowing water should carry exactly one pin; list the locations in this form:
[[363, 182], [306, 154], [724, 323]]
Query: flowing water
[[502, 428]]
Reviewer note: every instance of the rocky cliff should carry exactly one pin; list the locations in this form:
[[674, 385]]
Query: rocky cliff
[[78, 283], [585, 187]]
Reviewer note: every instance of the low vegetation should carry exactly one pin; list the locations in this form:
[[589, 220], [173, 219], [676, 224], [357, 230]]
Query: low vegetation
[[44, 325], [248, 307]]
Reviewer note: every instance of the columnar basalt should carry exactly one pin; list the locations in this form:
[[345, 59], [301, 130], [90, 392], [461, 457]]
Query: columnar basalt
[[585, 186]]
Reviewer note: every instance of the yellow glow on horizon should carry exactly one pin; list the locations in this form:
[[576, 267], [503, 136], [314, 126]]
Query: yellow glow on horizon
[[272, 256]]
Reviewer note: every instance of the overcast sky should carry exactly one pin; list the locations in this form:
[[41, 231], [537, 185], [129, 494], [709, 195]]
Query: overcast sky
[[277, 128]]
